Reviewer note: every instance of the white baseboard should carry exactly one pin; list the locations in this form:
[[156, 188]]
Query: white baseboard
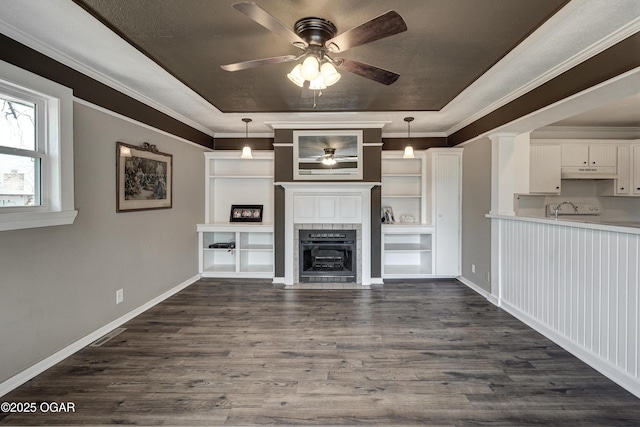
[[377, 281], [29, 373], [591, 359], [474, 287], [278, 280], [596, 362]]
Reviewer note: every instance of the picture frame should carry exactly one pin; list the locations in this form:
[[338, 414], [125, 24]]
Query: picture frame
[[387, 215], [144, 178], [246, 213]]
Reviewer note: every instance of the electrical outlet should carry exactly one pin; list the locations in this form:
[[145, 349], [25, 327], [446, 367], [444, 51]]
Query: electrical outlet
[[488, 276], [119, 296], [473, 268]]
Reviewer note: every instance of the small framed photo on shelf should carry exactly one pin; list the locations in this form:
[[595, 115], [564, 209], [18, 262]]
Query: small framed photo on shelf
[[246, 213], [387, 215]]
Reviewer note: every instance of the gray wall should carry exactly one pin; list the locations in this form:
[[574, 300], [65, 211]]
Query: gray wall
[[58, 284], [476, 203]]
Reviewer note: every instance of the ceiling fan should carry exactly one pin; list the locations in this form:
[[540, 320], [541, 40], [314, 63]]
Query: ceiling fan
[[318, 40]]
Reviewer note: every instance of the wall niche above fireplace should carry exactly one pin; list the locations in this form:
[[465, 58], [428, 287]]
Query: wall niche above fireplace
[[327, 155]]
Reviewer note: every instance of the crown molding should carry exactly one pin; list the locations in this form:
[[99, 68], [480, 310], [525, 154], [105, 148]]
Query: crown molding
[[65, 59], [603, 44], [327, 125]]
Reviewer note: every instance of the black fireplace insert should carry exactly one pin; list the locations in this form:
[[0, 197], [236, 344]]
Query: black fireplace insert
[[327, 256]]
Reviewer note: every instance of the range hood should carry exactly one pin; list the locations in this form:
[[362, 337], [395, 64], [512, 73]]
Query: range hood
[[589, 172]]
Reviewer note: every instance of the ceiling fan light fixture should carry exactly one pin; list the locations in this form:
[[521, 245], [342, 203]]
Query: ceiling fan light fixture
[[295, 76], [329, 73], [310, 68], [329, 161]]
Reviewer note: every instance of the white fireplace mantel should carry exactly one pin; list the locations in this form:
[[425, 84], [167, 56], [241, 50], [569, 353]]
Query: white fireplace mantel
[[327, 203]]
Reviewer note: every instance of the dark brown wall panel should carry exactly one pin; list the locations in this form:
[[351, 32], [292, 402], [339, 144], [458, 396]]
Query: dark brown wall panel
[[417, 143], [97, 93]]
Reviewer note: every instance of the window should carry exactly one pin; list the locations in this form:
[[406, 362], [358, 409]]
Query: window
[[36, 151]]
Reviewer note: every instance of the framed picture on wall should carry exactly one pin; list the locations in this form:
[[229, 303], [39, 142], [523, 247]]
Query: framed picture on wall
[[144, 178], [246, 213]]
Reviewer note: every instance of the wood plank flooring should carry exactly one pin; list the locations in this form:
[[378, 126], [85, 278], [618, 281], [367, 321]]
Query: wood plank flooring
[[250, 353]]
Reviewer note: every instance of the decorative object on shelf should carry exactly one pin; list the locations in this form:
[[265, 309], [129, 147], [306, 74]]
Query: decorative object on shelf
[[408, 150], [408, 219], [387, 215], [327, 155], [246, 213], [225, 245], [144, 178], [246, 150], [317, 37]]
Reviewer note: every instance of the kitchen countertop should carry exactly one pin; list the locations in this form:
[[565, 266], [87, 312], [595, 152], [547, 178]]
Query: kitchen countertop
[[630, 227]]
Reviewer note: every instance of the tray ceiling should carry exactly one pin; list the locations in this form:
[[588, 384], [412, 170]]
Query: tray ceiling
[[447, 46]]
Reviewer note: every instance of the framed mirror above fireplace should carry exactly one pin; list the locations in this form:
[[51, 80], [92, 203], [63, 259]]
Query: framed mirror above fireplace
[[327, 155]]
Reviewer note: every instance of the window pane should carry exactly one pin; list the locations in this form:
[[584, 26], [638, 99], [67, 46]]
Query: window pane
[[17, 124], [19, 181]]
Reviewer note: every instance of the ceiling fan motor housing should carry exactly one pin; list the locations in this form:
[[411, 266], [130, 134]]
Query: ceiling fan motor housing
[[315, 31]]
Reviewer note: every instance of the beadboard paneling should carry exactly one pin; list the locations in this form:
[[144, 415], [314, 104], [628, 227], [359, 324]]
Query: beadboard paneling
[[579, 284]]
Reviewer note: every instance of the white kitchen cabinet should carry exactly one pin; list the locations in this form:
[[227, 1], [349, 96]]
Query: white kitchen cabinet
[[545, 169], [622, 185], [589, 155]]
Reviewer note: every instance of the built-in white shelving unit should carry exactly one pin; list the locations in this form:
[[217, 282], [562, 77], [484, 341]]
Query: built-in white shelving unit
[[403, 186], [407, 251], [406, 243], [247, 250], [231, 180]]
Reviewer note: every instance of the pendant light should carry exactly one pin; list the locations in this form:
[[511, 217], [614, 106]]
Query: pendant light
[[408, 150], [246, 150]]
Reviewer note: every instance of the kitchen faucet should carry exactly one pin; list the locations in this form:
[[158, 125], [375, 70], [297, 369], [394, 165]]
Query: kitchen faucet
[[575, 208]]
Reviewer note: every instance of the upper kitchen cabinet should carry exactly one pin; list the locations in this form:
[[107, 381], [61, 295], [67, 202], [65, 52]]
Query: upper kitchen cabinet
[[544, 167], [589, 155], [636, 170]]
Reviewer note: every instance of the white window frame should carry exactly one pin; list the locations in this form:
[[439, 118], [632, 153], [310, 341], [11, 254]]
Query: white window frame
[[54, 104]]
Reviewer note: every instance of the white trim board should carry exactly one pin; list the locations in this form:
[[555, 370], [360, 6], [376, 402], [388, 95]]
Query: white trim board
[[31, 372]]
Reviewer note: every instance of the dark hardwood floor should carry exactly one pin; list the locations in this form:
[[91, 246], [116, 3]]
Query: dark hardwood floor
[[247, 353]]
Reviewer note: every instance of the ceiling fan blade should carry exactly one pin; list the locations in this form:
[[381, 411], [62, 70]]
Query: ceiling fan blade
[[258, 62], [371, 72], [382, 26], [267, 20]]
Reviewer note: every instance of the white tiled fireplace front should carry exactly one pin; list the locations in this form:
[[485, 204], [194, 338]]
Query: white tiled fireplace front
[[327, 205]]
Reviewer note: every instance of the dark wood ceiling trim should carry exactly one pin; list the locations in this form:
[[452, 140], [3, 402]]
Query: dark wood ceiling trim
[[88, 89], [618, 59]]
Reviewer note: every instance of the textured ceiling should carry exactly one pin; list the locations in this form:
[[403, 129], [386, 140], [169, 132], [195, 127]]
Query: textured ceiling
[[447, 46]]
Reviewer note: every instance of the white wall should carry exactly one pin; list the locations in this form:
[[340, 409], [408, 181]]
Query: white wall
[[58, 284]]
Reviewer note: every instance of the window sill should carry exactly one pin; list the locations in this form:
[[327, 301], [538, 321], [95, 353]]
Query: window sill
[[22, 220]]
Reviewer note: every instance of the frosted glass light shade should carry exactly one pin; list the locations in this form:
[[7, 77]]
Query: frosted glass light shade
[[329, 73], [317, 84], [246, 153], [295, 76], [408, 152], [310, 68]]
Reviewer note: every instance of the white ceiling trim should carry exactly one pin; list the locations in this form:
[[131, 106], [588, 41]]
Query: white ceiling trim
[[571, 20]]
